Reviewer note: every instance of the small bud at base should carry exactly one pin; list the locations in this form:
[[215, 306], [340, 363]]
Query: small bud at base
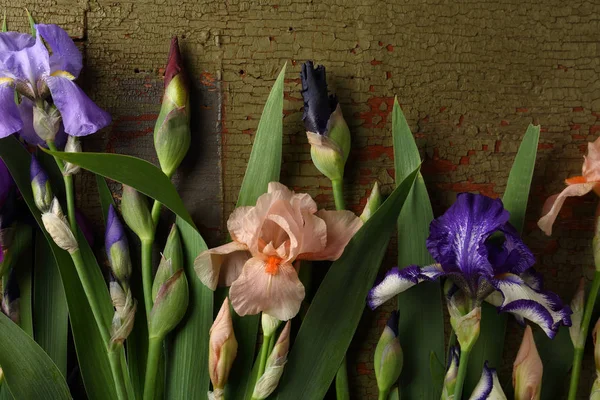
[[135, 211], [73, 146], [58, 228], [46, 120]]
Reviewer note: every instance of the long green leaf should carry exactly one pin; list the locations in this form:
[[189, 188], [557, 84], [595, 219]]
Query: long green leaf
[[91, 351], [187, 363], [335, 311], [104, 195], [421, 311], [263, 167], [557, 358], [490, 344], [29, 372], [51, 322]]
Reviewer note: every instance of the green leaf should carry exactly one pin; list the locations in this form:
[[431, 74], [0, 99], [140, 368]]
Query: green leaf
[[50, 305], [263, 167], [105, 196], [24, 270], [557, 358], [187, 362], [29, 372], [490, 344], [338, 305], [421, 326], [91, 351], [437, 370], [137, 173]]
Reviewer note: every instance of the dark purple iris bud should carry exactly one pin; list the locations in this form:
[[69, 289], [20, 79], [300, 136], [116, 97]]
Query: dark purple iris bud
[[117, 247], [318, 104], [40, 184]]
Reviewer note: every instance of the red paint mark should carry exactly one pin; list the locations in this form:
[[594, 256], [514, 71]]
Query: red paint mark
[[374, 152], [297, 81], [249, 118], [577, 109], [504, 123], [294, 62], [597, 115], [578, 137], [248, 131], [388, 75], [161, 71], [289, 97], [419, 135], [389, 48], [460, 121], [594, 129], [471, 152], [321, 198], [442, 109], [545, 146], [288, 112], [379, 107], [522, 110], [124, 135], [484, 147], [575, 127], [380, 43], [486, 189], [464, 160], [583, 148], [437, 165], [376, 62], [371, 88], [207, 79], [361, 369], [497, 146], [560, 66], [425, 119], [391, 172]]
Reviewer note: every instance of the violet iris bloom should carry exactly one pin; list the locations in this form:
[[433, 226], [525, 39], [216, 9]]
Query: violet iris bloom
[[43, 78], [318, 105], [480, 266]]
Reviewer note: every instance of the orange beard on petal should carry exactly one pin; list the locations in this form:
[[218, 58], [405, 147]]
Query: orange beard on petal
[[575, 180], [272, 265]]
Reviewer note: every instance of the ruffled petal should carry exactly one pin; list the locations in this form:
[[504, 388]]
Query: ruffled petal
[[280, 228], [15, 41], [541, 307], [488, 387], [591, 163], [554, 203], [341, 226], [279, 294], [10, 119], [23, 58], [241, 225], [221, 265], [512, 255], [81, 116], [398, 280], [65, 54], [457, 238]]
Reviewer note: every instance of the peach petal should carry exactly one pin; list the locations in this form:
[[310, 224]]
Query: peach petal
[[591, 163], [341, 226], [221, 265], [554, 204], [527, 369]]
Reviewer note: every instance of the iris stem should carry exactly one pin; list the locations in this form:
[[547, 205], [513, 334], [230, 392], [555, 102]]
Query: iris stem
[[262, 361], [147, 274], [338, 194], [462, 373], [383, 395], [342, 391], [69, 190], [156, 212], [585, 323], [154, 354]]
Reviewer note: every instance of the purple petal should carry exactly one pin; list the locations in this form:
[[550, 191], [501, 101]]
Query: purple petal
[[81, 116], [488, 386], [115, 232], [393, 322], [37, 172], [23, 59], [512, 255], [318, 106], [15, 41], [397, 281], [10, 120], [65, 54], [541, 307], [457, 238]]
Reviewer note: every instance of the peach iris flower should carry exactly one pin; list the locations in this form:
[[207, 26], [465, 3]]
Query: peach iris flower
[[576, 186], [258, 264]]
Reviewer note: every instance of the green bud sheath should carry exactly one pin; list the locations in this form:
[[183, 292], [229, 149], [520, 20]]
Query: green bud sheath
[[171, 261], [172, 130], [134, 208], [170, 305], [389, 358]]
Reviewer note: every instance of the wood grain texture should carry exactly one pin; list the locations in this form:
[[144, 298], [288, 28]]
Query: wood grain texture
[[470, 78]]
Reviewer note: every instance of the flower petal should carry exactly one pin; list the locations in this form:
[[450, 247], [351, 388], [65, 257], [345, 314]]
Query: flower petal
[[397, 281], [488, 387], [341, 226], [81, 116], [221, 265], [10, 119], [65, 54], [15, 41], [512, 255], [318, 106], [591, 163], [278, 295], [23, 58], [554, 203], [541, 307]]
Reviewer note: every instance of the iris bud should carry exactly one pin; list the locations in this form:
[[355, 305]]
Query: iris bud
[[577, 305], [268, 382], [136, 214], [488, 386], [465, 322], [171, 260], [124, 317], [73, 146], [527, 369], [269, 324], [46, 120], [451, 374], [222, 350], [58, 228], [388, 356], [373, 203], [117, 246], [172, 130], [40, 185], [10, 298]]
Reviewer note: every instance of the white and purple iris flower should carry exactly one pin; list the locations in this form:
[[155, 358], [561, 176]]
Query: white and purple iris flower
[[488, 387], [37, 92], [467, 245]]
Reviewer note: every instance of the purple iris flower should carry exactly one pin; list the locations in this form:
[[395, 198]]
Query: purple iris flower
[[117, 246], [41, 70], [318, 105], [465, 244]]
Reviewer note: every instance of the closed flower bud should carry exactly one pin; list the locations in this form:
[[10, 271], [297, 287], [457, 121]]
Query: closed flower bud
[[465, 323], [124, 317], [488, 386], [527, 369], [268, 382], [222, 349], [269, 324], [172, 130], [136, 214], [326, 129], [10, 298], [117, 246], [577, 305], [171, 260], [46, 120], [451, 374], [73, 146], [388, 356], [170, 293], [373, 203], [58, 228], [40, 185]]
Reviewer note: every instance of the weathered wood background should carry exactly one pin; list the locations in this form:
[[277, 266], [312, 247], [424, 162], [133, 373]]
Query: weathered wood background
[[470, 77]]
